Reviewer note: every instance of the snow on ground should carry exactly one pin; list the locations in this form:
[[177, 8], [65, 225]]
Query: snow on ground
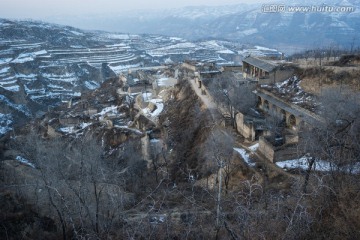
[[112, 110], [92, 85], [137, 131], [77, 33], [159, 108], [249, 31], [226, 51], [146, 96], [5, 60], [30, 77], [320, 165], [353, 169], [302, 163], [254, 147], [245, 156], [4, 70], [166, 82], [67, 77], [265, 48], [117, 36], [178, 48], [27, 57], [13, 88], [67, 129], [23, 60], [25, 161], [19, 107], [6, 121], [124, 68], [85, 125], [75, 129]]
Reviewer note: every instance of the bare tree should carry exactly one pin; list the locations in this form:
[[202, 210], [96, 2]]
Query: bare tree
[[235, 96]]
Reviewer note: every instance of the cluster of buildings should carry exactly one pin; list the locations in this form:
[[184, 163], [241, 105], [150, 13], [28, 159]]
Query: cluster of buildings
[[273, 110]]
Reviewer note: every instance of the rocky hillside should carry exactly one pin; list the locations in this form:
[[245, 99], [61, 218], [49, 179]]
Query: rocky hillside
[[42, 64]]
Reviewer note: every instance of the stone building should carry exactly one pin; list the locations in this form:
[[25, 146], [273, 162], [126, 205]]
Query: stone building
[[266, 71]]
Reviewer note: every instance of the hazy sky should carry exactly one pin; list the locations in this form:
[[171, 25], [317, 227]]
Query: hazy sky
[[43, 8]]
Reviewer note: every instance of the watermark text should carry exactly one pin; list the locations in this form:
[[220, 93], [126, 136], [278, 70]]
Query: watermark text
[[280, 8]]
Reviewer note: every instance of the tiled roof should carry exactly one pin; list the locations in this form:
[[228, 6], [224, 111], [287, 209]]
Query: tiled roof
[[262, 64]]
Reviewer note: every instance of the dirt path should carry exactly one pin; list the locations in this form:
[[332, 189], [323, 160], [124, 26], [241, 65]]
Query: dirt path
[[217, 113]]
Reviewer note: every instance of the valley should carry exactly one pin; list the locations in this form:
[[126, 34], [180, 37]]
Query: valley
[[143, 136]]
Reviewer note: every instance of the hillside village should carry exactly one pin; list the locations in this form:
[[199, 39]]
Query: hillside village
[[192, 124], [129, 136]]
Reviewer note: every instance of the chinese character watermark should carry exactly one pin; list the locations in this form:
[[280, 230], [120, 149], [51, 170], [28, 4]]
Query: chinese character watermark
[[280, 8]]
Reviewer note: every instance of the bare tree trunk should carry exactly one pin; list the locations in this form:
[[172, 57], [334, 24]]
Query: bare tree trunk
[[311, 162]]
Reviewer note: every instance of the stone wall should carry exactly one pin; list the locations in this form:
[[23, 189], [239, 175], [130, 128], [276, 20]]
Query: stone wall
[[244, 129], [266, 149], [287, 151], [277, 76]]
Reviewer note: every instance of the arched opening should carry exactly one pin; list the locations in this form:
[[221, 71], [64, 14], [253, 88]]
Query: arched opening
[[266, 105], [283, 115], [292, 120], [258, 102]]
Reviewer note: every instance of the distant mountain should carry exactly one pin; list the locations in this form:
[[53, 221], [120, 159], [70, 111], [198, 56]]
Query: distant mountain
[[244, 23]]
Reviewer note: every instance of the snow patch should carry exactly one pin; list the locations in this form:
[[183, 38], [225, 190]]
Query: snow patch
[[5, 61], [303, 164], [4, 70], [25, 161], [254, 147], [245, 156], [159, 108], [19, 107], [92, 85], [6, 121]]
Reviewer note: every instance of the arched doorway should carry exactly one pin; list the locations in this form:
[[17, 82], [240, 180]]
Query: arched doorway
[[259, 102], [292, 120], [283, 115], [266, 105]]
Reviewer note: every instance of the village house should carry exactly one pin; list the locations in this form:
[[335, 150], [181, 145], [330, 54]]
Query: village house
[[265, 71], [293, 118]]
